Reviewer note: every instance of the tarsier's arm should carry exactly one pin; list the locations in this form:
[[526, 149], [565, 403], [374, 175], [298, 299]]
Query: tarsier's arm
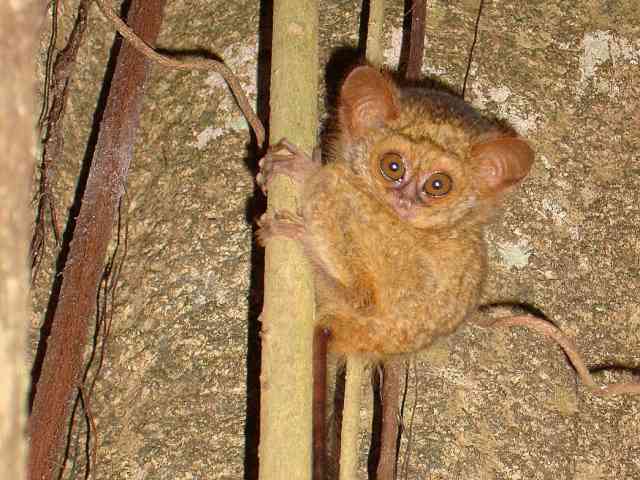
[[285, 158]]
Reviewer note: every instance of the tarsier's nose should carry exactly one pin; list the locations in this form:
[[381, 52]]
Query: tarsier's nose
[[409, 193]]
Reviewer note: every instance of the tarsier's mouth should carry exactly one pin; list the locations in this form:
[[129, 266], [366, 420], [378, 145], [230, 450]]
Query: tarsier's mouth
[[404, 208]]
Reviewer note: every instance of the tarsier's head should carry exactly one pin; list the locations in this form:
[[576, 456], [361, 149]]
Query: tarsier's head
[[426, 155]]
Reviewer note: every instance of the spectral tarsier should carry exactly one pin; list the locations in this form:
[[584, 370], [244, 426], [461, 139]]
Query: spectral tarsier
[[393, 222]]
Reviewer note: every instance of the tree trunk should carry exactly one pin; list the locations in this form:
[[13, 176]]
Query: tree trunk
[[19, 29]]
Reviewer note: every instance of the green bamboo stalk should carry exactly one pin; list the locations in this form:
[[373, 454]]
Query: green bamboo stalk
[[287, 319], [375, 33], [350, 434]]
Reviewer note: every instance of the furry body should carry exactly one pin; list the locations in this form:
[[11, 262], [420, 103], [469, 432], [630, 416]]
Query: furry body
[[383, 286]]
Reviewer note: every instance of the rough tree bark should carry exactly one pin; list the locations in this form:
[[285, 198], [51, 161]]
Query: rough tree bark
[[411, 65], [19, 28], [287, 318], [105, 185]]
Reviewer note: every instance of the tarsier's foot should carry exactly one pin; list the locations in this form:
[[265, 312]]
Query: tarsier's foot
[[282, 224], [285, 158]]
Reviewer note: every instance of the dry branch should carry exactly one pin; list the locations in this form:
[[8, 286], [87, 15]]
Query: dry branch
[[392, 368], [62, 366], [349, 435], [319, 408], [416, 40], [375, 33], [390, 410]]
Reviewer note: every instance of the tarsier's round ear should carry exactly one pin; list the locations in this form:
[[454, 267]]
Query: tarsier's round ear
[[502, 161], [368, 99]]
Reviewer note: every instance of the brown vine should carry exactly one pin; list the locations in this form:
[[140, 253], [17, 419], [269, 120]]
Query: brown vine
[[195, 64]]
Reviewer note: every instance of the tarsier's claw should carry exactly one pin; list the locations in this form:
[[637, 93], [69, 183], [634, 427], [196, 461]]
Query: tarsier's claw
[[261, 181], [316, 156]]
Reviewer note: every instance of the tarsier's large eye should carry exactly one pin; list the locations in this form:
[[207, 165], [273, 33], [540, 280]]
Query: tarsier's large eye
[[392, 166], [438, 184]]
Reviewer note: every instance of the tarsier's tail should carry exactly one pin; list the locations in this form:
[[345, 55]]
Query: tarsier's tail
[[568, 346]]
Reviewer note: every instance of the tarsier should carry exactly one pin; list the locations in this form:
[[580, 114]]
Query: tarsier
[[392, 223]]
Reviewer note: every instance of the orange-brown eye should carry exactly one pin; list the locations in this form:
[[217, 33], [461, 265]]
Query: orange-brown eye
[[392, 166], [438, 184]]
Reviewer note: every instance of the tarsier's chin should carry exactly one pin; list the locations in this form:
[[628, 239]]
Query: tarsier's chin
[[427, 155]]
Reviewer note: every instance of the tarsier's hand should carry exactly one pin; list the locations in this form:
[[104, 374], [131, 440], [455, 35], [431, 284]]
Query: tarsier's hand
[[285, 158], [282, 224]]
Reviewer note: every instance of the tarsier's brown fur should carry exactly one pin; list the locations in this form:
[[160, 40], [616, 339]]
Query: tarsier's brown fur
[[395, 265]]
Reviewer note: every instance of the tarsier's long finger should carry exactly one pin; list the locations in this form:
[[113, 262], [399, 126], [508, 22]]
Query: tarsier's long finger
[[275, 229], [287, 216], [291, 147], [286, 158], [278, 165], [266, 165], [316, 156]]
